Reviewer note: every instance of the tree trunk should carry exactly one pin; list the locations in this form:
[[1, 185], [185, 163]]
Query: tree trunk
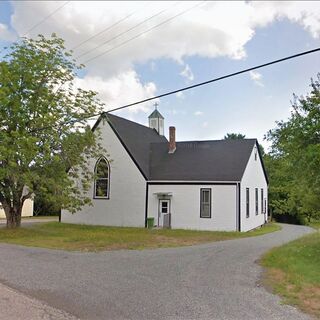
[[13, 215]]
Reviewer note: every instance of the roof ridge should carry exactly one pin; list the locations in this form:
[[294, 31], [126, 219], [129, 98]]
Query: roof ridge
[[217, 140], [136, 123], [199, 141]]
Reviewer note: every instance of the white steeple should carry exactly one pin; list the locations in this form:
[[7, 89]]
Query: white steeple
[[156, 120]]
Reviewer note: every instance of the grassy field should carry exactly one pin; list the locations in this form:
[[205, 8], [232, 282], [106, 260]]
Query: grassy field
[[95, 238], [293, 272]]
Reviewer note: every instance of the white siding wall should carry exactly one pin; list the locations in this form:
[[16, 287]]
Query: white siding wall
[[185, 206], [27, 209], [126, 206], [253, 178]]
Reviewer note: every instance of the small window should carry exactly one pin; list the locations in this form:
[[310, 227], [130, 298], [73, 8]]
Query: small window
[[205, 203], [257, 201], [247, 203], [164, 206], [102, 179], [262, 209], [255, 153]]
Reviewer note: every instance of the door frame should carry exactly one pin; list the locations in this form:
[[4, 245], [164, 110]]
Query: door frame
[[159, 209]]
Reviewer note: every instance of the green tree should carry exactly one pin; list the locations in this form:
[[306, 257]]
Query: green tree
[[295, 156], [234, 136], [44, 128]]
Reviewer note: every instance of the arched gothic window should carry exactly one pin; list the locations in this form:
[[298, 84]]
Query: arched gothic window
[[102, 179]]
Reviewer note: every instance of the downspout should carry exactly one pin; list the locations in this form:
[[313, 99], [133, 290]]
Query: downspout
[[146, 208], [239, 206]]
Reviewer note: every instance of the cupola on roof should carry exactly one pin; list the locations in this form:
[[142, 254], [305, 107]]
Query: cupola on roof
[[156, 114]]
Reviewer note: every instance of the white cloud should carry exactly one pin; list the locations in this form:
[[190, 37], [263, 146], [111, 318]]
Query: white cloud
[[180, 95], [205, 124], [211, 30], [187, 73], [305, 13], [256, 77], [5, 33], [198, 113], [120, 90]]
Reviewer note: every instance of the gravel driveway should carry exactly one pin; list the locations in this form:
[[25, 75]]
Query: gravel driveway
[[212, 281]]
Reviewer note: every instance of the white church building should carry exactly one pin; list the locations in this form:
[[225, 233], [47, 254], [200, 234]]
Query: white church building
[[201, 185]]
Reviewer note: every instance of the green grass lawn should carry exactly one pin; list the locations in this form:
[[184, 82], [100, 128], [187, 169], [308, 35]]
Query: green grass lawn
[[315, 224], [293, 271], [95, 238]]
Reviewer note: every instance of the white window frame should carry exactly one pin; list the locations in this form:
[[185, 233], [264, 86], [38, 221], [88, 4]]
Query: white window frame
[[202, 203], [247, 202], [95, 196]]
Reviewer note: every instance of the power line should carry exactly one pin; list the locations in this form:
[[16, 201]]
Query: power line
[[217, 79], [104, 30], [190, 87], [36, 25], [45, 18], [124, 32], [142, 33]]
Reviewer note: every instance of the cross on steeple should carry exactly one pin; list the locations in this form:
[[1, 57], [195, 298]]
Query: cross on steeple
[[156, 104]]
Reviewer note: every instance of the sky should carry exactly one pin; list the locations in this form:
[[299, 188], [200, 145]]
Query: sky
[[135, 50]]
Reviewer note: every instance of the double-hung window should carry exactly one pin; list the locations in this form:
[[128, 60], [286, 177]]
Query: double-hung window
[[262, 209], [205, 203]]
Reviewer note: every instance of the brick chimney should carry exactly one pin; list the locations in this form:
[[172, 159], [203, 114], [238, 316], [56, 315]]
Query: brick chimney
[[172, 139]]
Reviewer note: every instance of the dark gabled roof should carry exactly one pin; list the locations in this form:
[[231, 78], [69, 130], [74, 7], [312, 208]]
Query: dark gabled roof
[[156, 114], [215, 160], [136, 138]]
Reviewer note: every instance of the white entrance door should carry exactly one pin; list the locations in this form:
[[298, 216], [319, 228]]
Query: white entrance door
[[164, 208]]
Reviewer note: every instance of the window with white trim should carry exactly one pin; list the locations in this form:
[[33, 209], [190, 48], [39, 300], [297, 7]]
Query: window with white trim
[[102, 179], [205, 203], [262, 209]]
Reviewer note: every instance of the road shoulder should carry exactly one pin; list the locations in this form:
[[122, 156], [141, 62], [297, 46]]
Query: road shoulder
[[15, 306]]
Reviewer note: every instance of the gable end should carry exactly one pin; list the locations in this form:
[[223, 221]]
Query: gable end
[[104, 117], [261, 162]]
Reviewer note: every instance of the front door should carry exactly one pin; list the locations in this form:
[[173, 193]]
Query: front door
[[164, 209]]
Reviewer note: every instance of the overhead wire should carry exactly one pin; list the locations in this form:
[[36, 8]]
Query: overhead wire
[[45, 18], [191, 87], [218, 79], [39, 23], [104, 30], [144, 32], [126, 31]]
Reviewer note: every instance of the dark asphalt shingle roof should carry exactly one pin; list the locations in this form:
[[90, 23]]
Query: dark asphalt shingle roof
[[137, 139], [214, 160]]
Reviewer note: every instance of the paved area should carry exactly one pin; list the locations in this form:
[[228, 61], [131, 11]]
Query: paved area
[[17, 306], [211, 281]]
